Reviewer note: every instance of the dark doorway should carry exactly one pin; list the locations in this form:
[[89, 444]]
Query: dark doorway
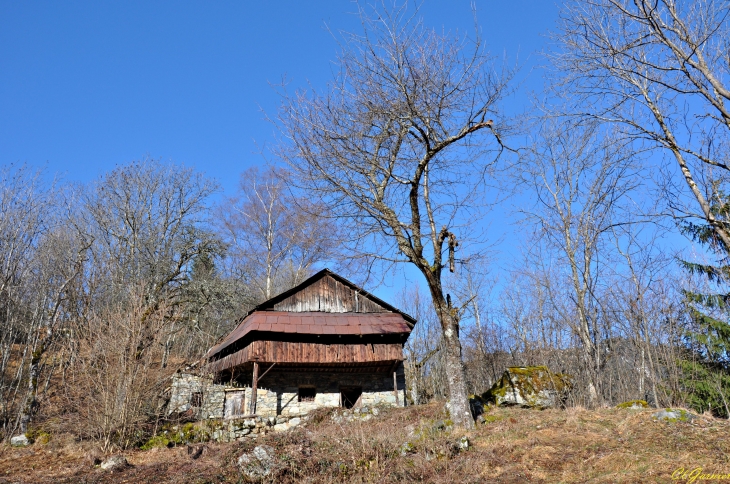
[[350, 396]]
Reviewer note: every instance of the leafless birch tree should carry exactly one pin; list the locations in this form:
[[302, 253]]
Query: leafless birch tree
[[274, 236], [399, 148], [583, 181], [660, 69]]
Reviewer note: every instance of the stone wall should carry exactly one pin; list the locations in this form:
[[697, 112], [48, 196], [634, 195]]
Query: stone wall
[[185, 385], [278, 392]]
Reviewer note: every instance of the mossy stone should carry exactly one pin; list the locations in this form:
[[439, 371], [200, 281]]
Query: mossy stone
[[529, 386], [673, 415], [633, 404]]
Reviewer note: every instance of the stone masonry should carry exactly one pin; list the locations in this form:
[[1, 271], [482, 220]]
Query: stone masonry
[[278, 393], [185, 385]]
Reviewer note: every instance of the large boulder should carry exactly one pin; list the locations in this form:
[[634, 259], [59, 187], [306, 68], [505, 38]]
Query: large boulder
[[529, 386]]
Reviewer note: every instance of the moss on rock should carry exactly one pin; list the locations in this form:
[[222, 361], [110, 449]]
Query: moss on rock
[[674, 415], [173, 435], [38, 436], [633, 404], [529, 386]]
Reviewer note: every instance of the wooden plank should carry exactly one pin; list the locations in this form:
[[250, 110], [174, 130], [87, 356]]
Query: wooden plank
[[298, 352], [254, 386], [234, 406], [395, 388], [328, 295]]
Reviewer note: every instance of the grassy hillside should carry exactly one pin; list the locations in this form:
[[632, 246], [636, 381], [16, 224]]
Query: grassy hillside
[[410, 445]]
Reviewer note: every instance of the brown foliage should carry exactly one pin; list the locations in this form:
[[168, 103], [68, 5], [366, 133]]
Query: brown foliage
[[117, 378]]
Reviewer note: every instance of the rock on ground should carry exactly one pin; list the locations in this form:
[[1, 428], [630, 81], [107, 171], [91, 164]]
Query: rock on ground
[[464, 443], [258, 463], [673, 415], [114, 462], [633, 404], [19, 441]]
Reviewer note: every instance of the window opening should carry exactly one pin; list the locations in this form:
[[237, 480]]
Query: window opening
[[307, 394]]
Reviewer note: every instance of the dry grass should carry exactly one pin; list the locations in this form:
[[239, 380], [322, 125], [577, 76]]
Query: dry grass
[[517, 445]]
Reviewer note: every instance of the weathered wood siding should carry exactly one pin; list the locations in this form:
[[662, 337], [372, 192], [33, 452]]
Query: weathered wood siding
[[331, 296], [235, 404], [295, 352]]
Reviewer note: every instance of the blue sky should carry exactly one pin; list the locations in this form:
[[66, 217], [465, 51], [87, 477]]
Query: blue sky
[[85, 86]]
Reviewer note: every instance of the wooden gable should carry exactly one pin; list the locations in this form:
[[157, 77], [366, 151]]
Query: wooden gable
[[330, 296], [329, 293]]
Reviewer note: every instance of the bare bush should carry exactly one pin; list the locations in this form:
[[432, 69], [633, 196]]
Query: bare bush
[[117, 377]]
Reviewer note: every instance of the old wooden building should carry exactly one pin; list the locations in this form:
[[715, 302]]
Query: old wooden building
[[325, 342]]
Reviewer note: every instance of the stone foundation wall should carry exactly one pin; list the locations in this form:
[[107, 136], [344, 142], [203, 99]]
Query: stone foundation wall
[[278, 392]]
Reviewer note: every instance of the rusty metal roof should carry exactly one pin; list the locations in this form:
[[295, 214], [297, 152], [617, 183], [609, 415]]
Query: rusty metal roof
[[318, 323]]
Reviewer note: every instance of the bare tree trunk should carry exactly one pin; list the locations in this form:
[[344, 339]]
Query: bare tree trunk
[[458, 404]]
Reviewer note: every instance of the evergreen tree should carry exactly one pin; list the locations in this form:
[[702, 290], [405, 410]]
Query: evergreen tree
[[706, 366]]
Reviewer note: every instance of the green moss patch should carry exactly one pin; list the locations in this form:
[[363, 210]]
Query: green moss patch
[[38, 436], [633, 404], [529, 386], [174, 435]]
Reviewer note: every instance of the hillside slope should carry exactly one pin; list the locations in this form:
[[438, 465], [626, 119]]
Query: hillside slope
[[410, 445]]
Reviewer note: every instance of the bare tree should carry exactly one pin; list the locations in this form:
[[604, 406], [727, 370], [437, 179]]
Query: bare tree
[[424, 366], [39, 259], [583, 180], [115, 388], [23, 202], [147, 220], [483, 338], [398, 148], [660, 69], [148, 223], [534, 333], [274, 236], [60, 260], [643, 299]]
